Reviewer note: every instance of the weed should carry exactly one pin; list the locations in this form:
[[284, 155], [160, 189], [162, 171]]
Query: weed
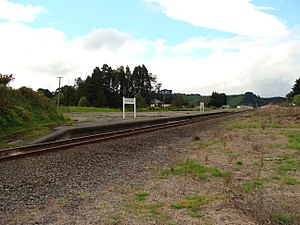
[[102, 206], [291, 181], [69, 197], [117, 219], [188, 167], [239, 162], [252, 185], [232, 155], [287, 162], [227, 179], [192, 203], [149, 210], [283, 218], [263, 125], [227, 137], [205, 144], [277, 177], [284, 168], [141, 196]]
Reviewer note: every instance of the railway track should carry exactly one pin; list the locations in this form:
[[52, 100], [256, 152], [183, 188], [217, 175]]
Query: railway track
[[29, 150]]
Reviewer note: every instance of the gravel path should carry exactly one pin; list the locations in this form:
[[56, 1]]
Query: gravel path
[[34, 181]]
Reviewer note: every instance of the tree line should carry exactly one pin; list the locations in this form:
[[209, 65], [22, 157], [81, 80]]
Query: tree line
[[105, 87]]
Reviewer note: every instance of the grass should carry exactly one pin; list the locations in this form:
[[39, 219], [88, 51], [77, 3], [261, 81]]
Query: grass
[[287, 163], [294, 140], [188, 167], [252, 185], [192, 203], [142, 210], [291, 181], [205, 144], [239, 162], [283, 218], [69, 197], [257, 123], [26, 135], [78, 109], [25, 109], [141, 196]]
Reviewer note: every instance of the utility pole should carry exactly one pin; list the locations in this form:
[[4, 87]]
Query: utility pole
[[59, 79]]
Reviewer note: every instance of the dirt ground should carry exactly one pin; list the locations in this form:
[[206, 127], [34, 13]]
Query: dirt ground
[[245, 171]]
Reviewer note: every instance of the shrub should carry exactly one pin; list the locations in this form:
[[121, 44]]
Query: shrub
[[84, 102], [24, 108]]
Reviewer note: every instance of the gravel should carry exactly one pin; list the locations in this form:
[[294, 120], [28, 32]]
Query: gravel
[[34, 181]]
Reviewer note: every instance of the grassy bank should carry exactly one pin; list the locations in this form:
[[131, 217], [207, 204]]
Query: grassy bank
[[26, 111]]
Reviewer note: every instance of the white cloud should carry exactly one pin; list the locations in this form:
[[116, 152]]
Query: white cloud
[[235, 16], [266, 66], [15, 12], [110, 39], [37, 56]]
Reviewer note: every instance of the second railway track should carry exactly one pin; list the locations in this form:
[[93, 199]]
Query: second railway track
[[25, 151]]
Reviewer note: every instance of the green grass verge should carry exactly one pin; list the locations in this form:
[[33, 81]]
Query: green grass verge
[[78, 109]]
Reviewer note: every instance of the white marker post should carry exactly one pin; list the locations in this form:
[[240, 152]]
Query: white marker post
[[201, 106], [129, 101]]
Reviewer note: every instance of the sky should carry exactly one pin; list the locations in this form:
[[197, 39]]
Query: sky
[[192, 46]]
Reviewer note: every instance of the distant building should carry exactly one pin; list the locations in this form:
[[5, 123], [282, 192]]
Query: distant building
[[166, 92], [156, 102], [244, 107]]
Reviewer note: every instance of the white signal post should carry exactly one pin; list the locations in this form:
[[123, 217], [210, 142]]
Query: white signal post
[[129, 101], [201, 106]]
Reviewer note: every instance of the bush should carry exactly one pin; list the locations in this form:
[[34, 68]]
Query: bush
[[296, 100], [24, 108], [84, 102]]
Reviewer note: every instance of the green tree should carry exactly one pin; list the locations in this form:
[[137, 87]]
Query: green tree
[[45, 92], [217, 100], [6, 79], [69, 96], [105, 87], [95, 88], [140, 101], [142, 82], [295, 90]]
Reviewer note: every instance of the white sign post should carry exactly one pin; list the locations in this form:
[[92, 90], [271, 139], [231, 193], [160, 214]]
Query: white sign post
[[129, 101], [201, 106]]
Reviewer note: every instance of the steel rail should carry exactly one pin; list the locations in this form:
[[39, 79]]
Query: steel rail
[[11, 153]]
